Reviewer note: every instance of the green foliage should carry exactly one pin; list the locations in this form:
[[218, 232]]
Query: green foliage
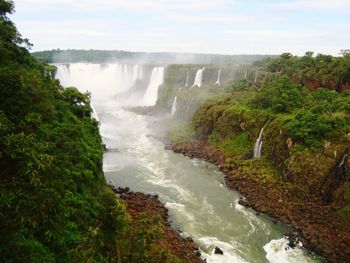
[[314, 72], [280, 97], [54, 202]]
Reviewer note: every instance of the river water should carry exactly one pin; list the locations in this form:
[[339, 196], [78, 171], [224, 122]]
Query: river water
[[199, 204]]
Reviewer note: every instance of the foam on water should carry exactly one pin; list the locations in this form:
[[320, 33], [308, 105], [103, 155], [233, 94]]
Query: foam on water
[[192, 190], [278, 251], [209, 243]]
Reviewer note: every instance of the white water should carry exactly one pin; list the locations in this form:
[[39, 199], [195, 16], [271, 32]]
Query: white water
[[109, 80], [342, 161], [151, 95], [187, 80], [245, 74], [173, 108], [218, 80], [94, 112], [258, 145], [256, 77], [199, 204], [199, 78], [278, 251]]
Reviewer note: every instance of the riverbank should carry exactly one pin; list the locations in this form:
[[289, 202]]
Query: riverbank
[[138, 203], [321, 229]]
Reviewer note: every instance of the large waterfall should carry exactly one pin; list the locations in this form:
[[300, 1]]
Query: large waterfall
[[107, 80], [198, 79], [218, 80], [173, 108], [151, 95], [192, 190], [258, 145]]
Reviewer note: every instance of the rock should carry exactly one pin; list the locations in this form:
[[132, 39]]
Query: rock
[[218, 251]]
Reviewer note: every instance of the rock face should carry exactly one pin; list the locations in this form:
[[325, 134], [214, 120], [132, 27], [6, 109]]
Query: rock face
[[321, 228], [218, 251], [184, 248]]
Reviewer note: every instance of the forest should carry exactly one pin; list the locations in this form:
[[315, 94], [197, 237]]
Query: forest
[[55, 205]]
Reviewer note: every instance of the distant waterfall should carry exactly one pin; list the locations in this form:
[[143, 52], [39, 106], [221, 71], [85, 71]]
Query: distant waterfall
[[258, 145], [151, 95], [342, 161], [187, 80], [218, 80], [173, 108], [137, 73], [109, 78], [198, 79], [63, 75], [245, 74], [94, 112], [256, 77]]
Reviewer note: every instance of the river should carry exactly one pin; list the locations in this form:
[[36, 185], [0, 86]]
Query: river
[[199, 204]]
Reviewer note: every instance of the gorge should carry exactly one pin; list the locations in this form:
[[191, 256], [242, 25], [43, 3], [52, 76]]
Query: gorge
[[194, 192]]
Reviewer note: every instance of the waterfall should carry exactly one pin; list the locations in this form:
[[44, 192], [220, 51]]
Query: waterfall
[[63, 75], [245, 74], [342, 161], [151, 95], [94, 112], [258, 145], [256, 76], [187, 80], [102, 81], [173, 108], [218, 80], [137, 73], [199, 77]]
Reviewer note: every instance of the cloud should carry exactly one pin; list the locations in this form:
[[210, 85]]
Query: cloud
[[313, 5], [210, 19], [130, 5], [214, 26]]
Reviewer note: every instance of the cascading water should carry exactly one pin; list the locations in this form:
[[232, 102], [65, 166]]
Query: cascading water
[[256, 77], [63, 74], [107, 79], [94, 112], [258, 145], [193, 191], [173, 108], [137, 73], [343, 160], [151, 95], [187, 80], [245, 74], [198, 79], [218, 80]]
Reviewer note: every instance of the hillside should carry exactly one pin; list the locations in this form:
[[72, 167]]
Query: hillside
[[283, 145], [55, 205]]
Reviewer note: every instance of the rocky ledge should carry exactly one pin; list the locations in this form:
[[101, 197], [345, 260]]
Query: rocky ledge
[[321, 229], [184, 248]]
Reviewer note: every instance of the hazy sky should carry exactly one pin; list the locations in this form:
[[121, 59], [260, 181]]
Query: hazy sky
[[201, 26]]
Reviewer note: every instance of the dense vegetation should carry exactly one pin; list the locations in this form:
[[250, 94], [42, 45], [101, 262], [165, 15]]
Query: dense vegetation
[[313, 71], [306, 132], [54, 202], [103, 56], [303, 174]]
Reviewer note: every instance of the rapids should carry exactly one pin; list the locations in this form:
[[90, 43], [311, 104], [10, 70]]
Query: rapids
[[199, 204]]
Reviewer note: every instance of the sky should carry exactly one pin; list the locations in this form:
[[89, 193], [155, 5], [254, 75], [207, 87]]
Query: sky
[[190, 26]]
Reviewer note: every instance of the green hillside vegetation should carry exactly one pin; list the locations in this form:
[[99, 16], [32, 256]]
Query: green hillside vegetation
[[306, 134], [313, 71], [55, 205]]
